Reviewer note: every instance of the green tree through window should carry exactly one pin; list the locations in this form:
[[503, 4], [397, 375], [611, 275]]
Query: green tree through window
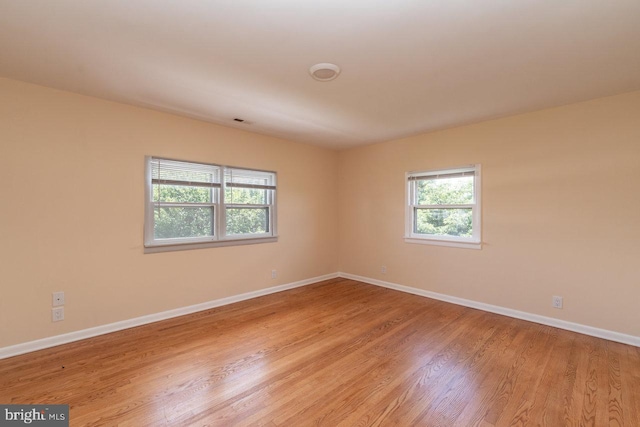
[[443, 205], [250, 218], [189, 201], [182, 221], [445, 221]]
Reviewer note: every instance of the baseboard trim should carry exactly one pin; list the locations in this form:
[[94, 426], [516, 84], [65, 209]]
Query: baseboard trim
[[549, 321], [43, 343]]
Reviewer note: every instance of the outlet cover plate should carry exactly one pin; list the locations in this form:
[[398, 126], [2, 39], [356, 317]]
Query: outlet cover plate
[[57, 314], [556, 302], [58, 299]]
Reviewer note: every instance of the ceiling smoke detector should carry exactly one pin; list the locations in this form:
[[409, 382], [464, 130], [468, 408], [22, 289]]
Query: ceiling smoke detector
[[324, 72]]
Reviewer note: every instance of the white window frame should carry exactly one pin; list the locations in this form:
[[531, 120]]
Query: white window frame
[[411, 179], [270, 205], [219, 206]]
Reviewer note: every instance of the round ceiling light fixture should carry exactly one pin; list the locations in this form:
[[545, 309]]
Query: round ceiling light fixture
[[324, 72]]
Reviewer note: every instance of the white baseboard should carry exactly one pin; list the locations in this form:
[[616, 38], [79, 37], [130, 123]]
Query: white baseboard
[[40, 344], [549, 321]]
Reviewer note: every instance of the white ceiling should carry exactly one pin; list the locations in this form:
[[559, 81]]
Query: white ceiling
[[408, 66]]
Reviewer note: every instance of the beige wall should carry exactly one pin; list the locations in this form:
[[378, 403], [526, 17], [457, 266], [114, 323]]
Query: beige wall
[[72, 211], [561, 213]]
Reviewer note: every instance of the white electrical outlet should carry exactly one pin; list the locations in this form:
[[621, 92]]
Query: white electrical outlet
[[556, 302], [383, 269], [57, 314], [58, 299], [274, 274]]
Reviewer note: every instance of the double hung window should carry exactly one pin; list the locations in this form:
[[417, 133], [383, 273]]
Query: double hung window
[[248, 201], [443, 207], [191, 203]]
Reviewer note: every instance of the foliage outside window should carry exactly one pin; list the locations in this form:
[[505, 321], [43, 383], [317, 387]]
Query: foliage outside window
[[443, 207], [207, 204]]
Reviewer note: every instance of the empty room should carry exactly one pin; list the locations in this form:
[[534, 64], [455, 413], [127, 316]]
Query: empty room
[[304, 213]]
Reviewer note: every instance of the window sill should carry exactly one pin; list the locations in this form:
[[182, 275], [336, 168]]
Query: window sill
[[450, 243], [152, 249]]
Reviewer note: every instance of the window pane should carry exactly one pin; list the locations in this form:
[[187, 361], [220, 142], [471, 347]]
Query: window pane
[[445, 191], [247, 220], [181, 194], [179, 222], [444, 222], [251, 196]]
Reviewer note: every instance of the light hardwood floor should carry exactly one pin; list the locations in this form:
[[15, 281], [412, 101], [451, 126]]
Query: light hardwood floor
[[336, 353]]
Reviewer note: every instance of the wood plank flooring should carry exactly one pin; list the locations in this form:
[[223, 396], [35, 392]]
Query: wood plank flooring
[[336, 353]]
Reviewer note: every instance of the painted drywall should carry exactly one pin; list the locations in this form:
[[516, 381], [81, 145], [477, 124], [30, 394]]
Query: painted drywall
[[72, 212], [561, 213]]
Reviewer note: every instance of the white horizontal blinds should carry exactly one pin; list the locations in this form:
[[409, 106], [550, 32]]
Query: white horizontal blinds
[[243, 178], [422, 176], [249, 187], [174, 172]]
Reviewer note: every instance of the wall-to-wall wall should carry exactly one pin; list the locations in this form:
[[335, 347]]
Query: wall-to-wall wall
[[72, 212], [561, 213]]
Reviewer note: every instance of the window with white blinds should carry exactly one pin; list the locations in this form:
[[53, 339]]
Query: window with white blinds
[[205, 205], [443, 207]]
